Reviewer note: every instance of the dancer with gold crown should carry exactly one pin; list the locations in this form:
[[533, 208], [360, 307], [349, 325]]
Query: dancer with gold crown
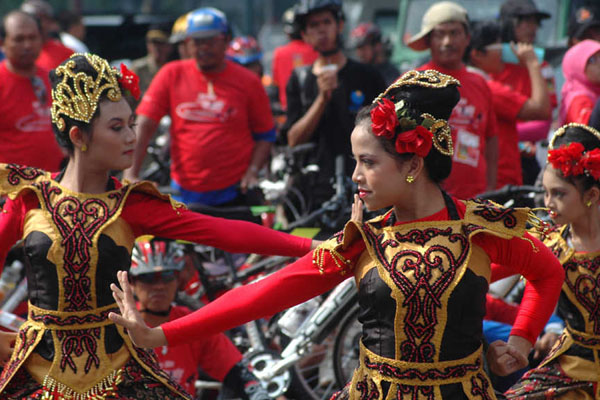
[[571, 182], [78, 228], [422, 268]]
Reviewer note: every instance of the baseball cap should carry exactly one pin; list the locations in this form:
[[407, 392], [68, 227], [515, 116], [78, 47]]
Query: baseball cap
[[444, 11], [582, 19], [206, 22], [521, 8]]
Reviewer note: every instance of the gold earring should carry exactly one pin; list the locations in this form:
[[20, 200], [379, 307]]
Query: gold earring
[[410, 179], [589, 203], [84, 148]]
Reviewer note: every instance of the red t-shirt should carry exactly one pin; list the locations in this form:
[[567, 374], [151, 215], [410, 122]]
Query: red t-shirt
[[215, 355], [25, 127], [52, 54], [213, 118], [580, 110], [287, 57], [516, 77], [472, 121], [507, 104]]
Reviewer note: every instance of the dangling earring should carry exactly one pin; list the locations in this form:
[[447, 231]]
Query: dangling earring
[[589, 203], [410, 179], [83, 148]]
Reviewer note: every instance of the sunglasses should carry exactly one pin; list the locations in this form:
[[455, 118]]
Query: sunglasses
[[157, 277]]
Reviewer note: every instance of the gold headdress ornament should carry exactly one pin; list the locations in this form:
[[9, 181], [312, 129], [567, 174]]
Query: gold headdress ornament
[[439, 128], [77, 95], [563, 129]]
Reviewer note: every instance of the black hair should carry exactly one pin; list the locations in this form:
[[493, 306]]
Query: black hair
[[81, 65], [576, 134], [483, 33], [33, 17], [419, 100], [67, 19]]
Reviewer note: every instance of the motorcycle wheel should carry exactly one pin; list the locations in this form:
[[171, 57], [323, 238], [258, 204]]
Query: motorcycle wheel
[[346, 348], [316, 376]]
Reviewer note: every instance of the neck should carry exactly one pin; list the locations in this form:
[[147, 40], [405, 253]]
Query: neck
[[211, 69], [416, 208], [337, 58], [450, 65], [27, 72], [585, 232], [84, 180], [154, 320]]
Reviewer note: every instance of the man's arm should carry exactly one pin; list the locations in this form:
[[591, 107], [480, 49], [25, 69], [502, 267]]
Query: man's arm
[[491, 158], [303, 129], [144, 131], [538, 104], [260, 154]]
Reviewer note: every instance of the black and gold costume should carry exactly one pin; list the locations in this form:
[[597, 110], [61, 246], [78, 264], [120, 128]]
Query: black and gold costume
[[74, 244], [422, 288], [572, 368]]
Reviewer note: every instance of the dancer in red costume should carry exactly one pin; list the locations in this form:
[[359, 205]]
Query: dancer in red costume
[[422, 268], [78, 228], [572, 193]]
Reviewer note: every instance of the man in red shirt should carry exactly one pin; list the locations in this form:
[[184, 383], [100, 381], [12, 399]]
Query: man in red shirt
[[53, 52], [289, 56], [222, 127], [509, 104], [445, 33], [25, 128], [155, 287]]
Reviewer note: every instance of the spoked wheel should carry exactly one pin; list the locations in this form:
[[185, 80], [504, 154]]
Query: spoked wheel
[[346, 347]]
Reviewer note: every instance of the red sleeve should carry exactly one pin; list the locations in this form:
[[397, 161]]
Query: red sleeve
[[492, 125], [506, 102], [156, 101], [149, 215], [11, 222], [544, 276], [285, 288], [580, 110], [499, 310], [216, 347], [261, 118]]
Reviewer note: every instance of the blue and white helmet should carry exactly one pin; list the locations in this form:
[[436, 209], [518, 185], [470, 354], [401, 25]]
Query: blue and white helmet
[[206, 22]]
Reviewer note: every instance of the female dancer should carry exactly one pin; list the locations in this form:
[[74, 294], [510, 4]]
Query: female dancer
[[78, 228], [572, 192], [422, 268]]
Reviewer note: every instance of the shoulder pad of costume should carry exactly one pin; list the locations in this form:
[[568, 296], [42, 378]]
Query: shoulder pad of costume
[[16, 178]]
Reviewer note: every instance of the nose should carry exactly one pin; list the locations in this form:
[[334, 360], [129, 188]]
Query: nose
[[355, 174]]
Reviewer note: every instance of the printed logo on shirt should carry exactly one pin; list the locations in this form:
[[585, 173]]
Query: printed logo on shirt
[[357, 98], [37, 120], [207, 108], [467, 149]]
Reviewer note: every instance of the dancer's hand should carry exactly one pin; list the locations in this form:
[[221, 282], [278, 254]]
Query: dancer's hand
[[357, 210], [7, 344], [141, 334], [544, 344], [505, 358]]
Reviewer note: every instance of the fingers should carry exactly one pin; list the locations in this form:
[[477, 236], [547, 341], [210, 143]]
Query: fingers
[[357, 209]]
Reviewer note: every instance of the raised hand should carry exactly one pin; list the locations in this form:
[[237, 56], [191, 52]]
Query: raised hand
[[141, 334], [357, 210]]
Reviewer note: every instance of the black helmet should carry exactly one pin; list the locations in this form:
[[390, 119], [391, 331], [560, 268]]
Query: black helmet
[[363, 34], [307, 7], [290, 27], [156, 255]]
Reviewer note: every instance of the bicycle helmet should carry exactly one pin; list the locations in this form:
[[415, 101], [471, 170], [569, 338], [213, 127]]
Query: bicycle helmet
[[156, 255], [244, 50], [206, 22], [364, 34], [308, 7], [178, 32], [290, 26]]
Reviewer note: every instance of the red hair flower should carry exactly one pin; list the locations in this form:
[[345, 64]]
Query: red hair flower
[[591, 163], [130, 81], [567, 158], [417, 141], [384, 119]]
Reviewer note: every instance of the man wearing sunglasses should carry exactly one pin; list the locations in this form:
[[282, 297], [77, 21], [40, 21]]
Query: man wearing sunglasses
[[25, 130], [154, 276]]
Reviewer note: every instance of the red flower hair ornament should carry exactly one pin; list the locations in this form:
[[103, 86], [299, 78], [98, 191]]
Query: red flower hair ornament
[[385, 120], [130, 81], [573, 160]]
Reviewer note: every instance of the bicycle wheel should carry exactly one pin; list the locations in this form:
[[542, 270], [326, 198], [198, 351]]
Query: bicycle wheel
[[346, 347]]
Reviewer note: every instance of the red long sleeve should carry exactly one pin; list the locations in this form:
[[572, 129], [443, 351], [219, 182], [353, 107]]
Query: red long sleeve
[[11, 222], [542, 270], [150, 215], [287, 287]]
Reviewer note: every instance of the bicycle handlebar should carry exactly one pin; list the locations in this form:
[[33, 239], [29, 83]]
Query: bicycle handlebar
[[509, 190]]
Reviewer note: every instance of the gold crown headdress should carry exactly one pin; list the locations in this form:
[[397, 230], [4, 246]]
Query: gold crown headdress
[[77, 95], [439, 128], [563, 129]]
